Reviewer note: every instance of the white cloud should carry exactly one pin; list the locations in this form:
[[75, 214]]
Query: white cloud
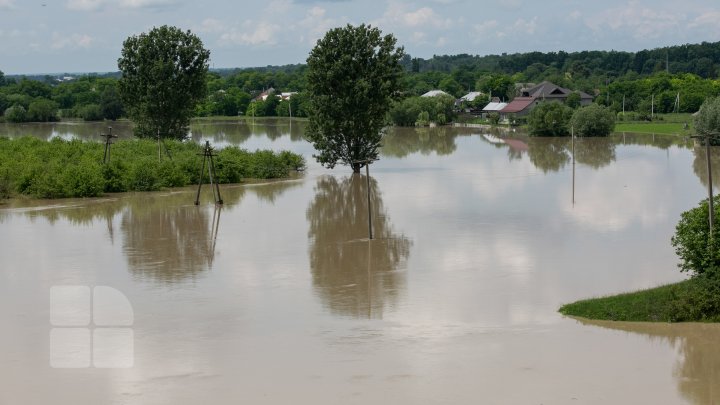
[[708, 22], [397, 14], [260, 33], [641, 22], [486, 27], [147, 3], [85, 5], [211, 25], [315, 24], [60, 41], [526, 27], [7, 4]]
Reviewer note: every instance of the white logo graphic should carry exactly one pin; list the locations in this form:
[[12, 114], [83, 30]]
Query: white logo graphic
[[74, 344]]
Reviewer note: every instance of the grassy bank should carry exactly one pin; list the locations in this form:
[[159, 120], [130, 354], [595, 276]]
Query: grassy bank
[[693, 300], [661, 124], [59, 168], [653, 128]]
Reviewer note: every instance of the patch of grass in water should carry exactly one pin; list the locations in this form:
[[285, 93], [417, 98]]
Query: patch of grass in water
[[693, 300]]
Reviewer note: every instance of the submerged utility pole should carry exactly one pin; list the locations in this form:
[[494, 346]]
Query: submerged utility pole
[[108, 141], [208, 155]]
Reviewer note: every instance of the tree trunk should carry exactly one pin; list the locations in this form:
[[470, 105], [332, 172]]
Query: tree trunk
[[356, 167]]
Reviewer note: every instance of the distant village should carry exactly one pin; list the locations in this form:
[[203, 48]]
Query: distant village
[[528, 96]]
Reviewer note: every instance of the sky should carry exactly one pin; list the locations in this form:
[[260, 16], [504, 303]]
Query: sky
[[58, 36]]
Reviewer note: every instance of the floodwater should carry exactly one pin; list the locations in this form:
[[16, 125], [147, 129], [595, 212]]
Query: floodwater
[[280, 297]]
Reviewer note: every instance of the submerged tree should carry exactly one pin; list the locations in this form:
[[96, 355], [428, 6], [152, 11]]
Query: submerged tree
[[353, 75], [163, 79], [593, 120], [550, 119]]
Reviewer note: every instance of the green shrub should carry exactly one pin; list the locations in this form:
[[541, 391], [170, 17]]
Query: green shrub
[[699, 254], [494, 118], [59, 168], [16, 113], [550, 119], [91, 112], [593, 120], [423, 119]]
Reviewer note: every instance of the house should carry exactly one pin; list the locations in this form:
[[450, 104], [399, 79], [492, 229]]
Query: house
[[470, 97], [541, 93], [265, 94], [494, 106], [435, 93], [551, 92]]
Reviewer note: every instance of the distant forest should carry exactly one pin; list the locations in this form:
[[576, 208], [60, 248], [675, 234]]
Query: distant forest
[[675, 78]]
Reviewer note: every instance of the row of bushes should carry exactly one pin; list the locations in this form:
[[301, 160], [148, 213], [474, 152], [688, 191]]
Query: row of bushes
[[59, 168], [556, 119], [421, 111]]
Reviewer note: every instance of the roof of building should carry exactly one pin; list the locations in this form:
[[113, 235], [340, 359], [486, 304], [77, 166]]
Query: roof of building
[[518, 104], [550, 90], [434, 93], [471, 96], [494, 106]]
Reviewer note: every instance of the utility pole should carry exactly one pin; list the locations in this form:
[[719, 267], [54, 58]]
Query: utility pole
[[208, 155], [108, 141]]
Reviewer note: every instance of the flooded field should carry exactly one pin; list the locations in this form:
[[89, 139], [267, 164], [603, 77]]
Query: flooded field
[[280, 297]]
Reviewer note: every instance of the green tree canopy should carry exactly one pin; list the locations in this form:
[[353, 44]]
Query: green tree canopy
[[593, 120], [163, 79], [707, 121], [550, 119], [353, 75], [698, 251]]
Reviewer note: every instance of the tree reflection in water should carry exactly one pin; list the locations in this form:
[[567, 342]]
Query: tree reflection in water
[[400, 142], [700, 164], [354, 276], [698, 369], [165, 237]]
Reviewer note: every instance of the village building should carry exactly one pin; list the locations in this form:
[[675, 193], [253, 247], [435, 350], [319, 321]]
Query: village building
[[544, 92], [435, 93]]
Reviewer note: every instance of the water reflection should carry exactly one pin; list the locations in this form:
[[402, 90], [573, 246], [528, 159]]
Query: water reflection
[[167, 242], [67, 129], [354, 276], [165, 237], [698, 368], [700, 164], [239, 131], [549, 154], [400, 142]]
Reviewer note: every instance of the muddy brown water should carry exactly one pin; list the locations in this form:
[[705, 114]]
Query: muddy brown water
[[279, 296]]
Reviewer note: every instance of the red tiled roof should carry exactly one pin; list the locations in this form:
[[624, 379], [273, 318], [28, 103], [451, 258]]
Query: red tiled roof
[[518, 104]]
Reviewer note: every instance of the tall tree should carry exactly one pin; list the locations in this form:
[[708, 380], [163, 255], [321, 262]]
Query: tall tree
[[353, 75], [163, 79]]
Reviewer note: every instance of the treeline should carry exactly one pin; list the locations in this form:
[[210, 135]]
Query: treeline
[[676, 78]]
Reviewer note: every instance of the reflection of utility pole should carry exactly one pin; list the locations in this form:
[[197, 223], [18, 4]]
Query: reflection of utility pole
[[214, 234], [711, 208], [572, 136], [367, 175]]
